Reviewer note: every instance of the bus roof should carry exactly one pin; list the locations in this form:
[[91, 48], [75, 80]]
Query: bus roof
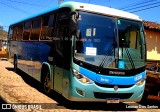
[[36, 15], [90, 8], [100, 9]]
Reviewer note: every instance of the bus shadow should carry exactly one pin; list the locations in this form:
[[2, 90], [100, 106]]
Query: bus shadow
[[63, 103], [10, 68], [150, 102], [94, 106], [28, 79]]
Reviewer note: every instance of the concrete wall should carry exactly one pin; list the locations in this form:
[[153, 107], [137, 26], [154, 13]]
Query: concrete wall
[[153, 44]]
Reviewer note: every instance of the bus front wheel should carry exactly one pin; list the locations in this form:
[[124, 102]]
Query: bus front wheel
[[46, 81]]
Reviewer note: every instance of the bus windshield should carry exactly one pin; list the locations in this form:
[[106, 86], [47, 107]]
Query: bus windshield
[[109, 42]]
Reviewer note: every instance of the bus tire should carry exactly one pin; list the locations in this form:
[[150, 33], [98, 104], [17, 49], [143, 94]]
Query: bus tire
[[46, 82], [15, 64]]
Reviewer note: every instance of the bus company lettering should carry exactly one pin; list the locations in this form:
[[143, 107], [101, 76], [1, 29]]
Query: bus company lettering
[[50, 38], [138, 77], [117, 72], [55, 38], [104, 80]]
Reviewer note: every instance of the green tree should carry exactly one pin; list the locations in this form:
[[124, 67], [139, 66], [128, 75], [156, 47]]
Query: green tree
[[3, 33], [1, 27]]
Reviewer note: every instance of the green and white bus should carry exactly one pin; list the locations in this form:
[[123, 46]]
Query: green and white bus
[[83, 51]]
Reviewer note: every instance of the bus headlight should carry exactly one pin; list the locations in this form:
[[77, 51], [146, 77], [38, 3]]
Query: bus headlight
[[81, 77], [140, 82]]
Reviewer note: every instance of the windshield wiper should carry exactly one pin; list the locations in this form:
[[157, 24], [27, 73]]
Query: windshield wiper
[[109, 50], [130, 58], [127, 52]]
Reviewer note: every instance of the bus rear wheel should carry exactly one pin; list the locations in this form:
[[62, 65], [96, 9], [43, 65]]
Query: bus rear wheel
[[46, 82]]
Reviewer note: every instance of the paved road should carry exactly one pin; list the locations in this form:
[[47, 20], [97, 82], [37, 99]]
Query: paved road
[[19, 89]]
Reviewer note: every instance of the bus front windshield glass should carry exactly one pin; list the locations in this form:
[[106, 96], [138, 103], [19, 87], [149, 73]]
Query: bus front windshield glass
[[131, 44], [98, 45]]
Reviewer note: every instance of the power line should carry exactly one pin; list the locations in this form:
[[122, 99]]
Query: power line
[[145, 8], [40, 9], [138, 3], [142, 6], [27, 3], [15, 8]]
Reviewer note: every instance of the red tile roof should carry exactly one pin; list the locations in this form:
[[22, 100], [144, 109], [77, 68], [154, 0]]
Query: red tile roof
[[151, 25]]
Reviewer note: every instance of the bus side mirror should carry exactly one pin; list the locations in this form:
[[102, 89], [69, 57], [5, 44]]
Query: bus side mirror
[[75, 15], [73, 23]]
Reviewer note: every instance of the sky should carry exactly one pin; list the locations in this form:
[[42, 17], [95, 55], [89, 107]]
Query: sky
[[14, 10]]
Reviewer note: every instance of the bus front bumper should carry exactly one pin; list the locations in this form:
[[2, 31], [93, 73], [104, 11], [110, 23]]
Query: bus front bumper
[[94, 93]]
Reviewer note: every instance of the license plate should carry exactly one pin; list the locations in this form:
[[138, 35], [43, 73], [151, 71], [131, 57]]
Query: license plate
[[113, 101]]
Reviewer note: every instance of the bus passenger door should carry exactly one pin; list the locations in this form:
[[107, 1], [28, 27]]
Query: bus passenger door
[[60, 33], [58, 68]]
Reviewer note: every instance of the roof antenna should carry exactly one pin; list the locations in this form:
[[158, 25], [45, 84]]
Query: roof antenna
[[110, 4], [59, 1]]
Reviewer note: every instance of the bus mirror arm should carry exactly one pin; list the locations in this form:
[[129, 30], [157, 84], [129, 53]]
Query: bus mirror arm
[[77, 34], [73, 28]]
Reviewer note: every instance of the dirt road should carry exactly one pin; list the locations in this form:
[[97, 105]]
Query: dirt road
[[22, 93]]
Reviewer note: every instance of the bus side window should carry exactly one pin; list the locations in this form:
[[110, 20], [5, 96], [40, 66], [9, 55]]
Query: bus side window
[[36, 26], [20, 32], [47, 27], [27, 28], [14, 35]]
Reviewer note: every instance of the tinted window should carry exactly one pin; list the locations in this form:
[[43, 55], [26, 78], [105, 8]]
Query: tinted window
[[51, 21], [20, 32], [48, 20], [36, 24], [27, 25], [45, 20], [27, 28], [47, 28], [14, 35]]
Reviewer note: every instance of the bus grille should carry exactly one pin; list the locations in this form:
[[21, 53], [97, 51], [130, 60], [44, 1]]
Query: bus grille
[[112, 86], [112, 95]]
